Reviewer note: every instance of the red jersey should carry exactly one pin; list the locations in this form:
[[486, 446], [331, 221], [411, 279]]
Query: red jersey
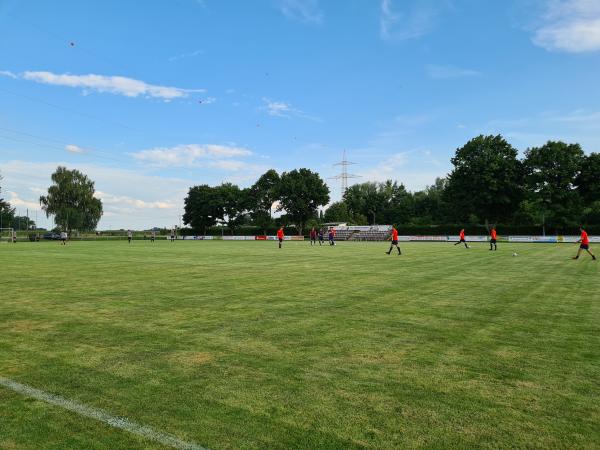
[[394, 234], [462, 234], [584, 238], [280, 233], [493, 234], [313, 233]]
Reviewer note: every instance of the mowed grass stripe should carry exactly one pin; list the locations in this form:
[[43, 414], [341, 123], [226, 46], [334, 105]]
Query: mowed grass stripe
[[248, 346]]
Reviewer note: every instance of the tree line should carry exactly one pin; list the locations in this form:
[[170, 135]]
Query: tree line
[[299, 193], [555, 185]]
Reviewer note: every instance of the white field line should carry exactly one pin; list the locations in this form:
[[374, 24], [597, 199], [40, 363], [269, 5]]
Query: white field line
[[97, 414]]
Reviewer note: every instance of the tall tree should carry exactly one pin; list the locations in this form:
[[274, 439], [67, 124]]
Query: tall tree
[[487, 180], [71, 201], [261, 197], [365, 199], [551, 173], [203, 207], [338, 212], [588, 180], [300, 193], [235, 204], [6, 211]]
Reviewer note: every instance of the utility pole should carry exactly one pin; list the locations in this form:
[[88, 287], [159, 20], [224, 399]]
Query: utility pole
[[344, 175]]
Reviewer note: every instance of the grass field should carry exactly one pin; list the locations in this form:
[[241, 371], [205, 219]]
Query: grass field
[[242, 345]]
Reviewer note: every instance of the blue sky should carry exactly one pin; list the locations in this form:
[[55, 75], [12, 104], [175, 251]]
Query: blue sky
[[150, 98]]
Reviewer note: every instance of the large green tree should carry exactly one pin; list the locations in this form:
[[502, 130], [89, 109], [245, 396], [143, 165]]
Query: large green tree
[[338, 212], [261, 197], [486, 182], [588, 180], [365, 199], [234, 202], [300, 192], [71, 201], [6, 211], [203, 207], [551, 174]]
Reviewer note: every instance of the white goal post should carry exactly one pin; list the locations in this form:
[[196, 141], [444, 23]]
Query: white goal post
[[7, 234]]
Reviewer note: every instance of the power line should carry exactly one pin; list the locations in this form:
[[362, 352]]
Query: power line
[[344, 175]]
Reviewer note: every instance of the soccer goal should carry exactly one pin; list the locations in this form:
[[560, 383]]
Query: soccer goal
[[6, 234]]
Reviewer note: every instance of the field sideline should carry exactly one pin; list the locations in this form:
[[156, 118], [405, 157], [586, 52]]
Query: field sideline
[[242, 345]]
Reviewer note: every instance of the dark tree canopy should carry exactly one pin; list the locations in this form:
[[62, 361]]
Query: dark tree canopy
[[300, 193], [551, 173], [6, 211], [487, 180], [337, 212], [588, 180], [261, 197], [71, 201], [203, 207]]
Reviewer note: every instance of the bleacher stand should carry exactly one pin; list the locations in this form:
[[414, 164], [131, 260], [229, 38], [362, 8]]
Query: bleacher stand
[[363, 233]]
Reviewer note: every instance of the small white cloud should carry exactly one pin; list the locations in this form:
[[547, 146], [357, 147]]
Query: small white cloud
[[16, 201], [9, 74], [282, 109], [121, 200], [276, 108], [118, 85], [190, 155], [306, 11], [74, 149], [570, 26], [410, 23], [448, 72], [186, 55]]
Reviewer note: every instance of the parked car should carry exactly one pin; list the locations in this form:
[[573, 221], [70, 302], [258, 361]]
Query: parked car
[[52, 236]]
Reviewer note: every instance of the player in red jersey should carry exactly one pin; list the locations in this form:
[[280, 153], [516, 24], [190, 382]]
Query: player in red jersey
[[394, 239], [493, 239], [585, 244], [462, 238], [313, 236], [280, 236]]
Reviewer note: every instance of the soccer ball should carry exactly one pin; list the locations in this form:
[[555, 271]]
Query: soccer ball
[[515, 254]]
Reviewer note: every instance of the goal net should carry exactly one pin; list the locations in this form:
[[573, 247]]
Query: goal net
[[6, 234]]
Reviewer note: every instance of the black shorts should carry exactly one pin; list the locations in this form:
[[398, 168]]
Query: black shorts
[[280, 240], [462, 240], [584, 246], [493, 241], [395, 242]]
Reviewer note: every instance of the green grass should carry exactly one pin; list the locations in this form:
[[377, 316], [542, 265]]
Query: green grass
[[242, 345]]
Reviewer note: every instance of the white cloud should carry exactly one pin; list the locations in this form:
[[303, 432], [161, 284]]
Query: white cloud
[[282, 109], [276, 108], [306, 11], [117, 85], [17, 202], [131, 198], [192, 155], [570, 26], [8, 73], [123, 200], [413, 21], [186, 55], [447, 72], [74, 149]]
